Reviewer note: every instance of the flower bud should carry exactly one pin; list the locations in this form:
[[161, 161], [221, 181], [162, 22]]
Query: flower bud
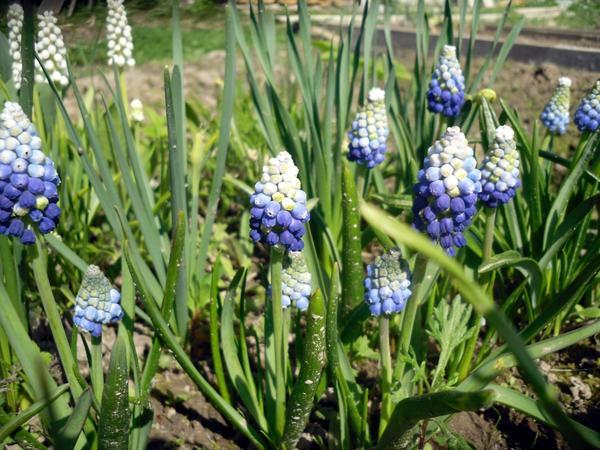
[[446, 93], [587, 116], [118, 34], [387, 284], [555, 115]]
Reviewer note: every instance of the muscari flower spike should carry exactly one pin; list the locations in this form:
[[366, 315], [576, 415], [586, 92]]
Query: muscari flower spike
[[555, 115], [387, 283], [279, 212], [97, 303], [28, 179], [587, 116], [446, 93], [446, 193], [51, 49], [500, 170], [118, 33], [295, 282], [369, 132], [15, 26]]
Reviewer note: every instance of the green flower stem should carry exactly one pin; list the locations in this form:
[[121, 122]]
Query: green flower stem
[[9, 270], [277, 312], [386, 375], [96, 371]]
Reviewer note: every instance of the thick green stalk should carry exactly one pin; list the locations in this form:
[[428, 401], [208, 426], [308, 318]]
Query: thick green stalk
[[386, 372], [277, 314], [97, 371]]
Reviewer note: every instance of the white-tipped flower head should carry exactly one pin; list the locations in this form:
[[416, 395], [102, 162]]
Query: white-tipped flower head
[[446, 93], [500, 170], [295, 282], [15, 27], [97, 303], [279, 212], [137, 110], [51, 50], [446, 193], [555, 115], [118, 33], [387, 284], [368, 136], [587, 116]]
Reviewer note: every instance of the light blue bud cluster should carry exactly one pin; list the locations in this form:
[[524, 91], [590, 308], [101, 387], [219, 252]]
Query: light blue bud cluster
[[555, 115], [587, 116], [446, 93], [500, 170], [279, 212], [97, 303], [295, 282], [387, 284], [367, 139], [445, 196], [28, 179]]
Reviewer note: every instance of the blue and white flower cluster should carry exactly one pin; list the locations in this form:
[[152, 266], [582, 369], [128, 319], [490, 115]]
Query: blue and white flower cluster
[[446, 193], [97, 303], [446, 93], [387, 284], [295, 281], [279, 212], [51, 50], [500, 170], [587, 116], [15, 26], [367, 139], [28, 179], [555, 115], [118, 33]]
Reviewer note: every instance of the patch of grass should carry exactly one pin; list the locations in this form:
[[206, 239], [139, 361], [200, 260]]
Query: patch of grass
[[581, 14]]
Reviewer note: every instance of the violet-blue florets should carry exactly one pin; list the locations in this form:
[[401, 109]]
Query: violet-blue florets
[[387, 284], [446, 93], [587, 116], [555, 115]]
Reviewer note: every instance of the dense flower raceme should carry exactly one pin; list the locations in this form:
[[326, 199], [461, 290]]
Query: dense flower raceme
[[97, 303], [500, 170], [118, 33], [555, 115], [387, 284], [137, 110], [279, 210], [15, 27], [295, 281], [51, 50], [28, 179], [446, 93], [587, 116], [367, 139], [445, 196]]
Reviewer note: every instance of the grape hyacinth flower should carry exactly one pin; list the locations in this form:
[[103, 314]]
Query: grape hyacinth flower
[[51, 50], [28, 179], [587, 116], [118, 33], [97, 303], [137, 110], [369, 132], [446, 93], [279, 212], [446, 193], [295, 281], [500, 170], [15, 26], [555, 115], [387, 283]]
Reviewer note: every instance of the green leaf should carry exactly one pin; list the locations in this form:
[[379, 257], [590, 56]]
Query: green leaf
[[70, 432]]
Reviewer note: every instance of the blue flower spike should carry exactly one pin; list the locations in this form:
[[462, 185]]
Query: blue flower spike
[[445, 195], [500, 170], [555, 115], [587, 116], [387, 285], [97, 303], [296, 282], [446, 93], [368, 136], [28, 179], [278, 206]]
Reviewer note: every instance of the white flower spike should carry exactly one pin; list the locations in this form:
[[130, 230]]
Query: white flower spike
[[118, 33]]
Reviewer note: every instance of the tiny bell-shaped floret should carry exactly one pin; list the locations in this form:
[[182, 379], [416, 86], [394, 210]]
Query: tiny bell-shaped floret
[[278, 211], [445, 196], [555, 115], [587, 116], [118, 33], [97, 303], [368, 136], [51, 50], [137, 110], [387, 285], [295, 282], [446, 93], [500, 169], [15, 27]]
